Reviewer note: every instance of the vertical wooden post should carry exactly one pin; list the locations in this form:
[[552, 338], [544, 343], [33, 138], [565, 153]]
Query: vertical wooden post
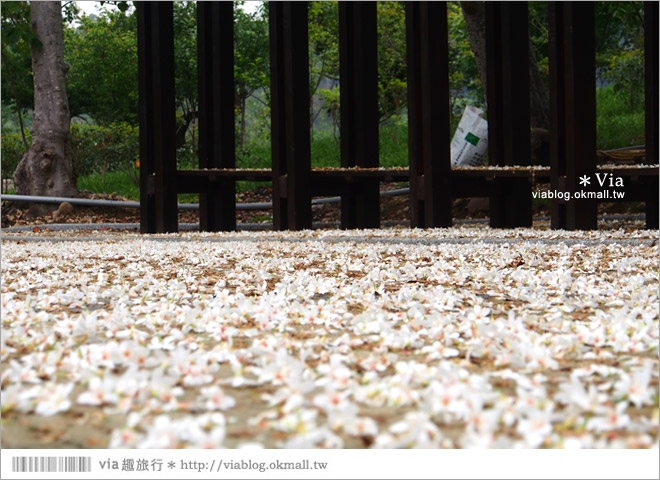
[[573, 111], [358, 60], [290, 136], [507, 57], [557, 120], [215, 83], [651, 91], [428, 114], [158, 195]]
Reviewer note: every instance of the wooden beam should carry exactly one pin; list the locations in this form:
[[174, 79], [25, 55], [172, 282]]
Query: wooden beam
[[215, 80], [651, 73], [290, 123], [158, 196], [428, 114], [507, 58], [358, 69], [573, 111]]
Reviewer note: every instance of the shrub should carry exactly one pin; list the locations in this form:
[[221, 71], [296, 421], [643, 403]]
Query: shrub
[[617, 126], [12, 151], [95, 149], [626, 73], [109, 148]]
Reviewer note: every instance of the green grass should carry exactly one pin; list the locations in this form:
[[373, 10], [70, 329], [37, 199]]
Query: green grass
[[120, 183], [393, 148], [325, 150], [617, 124]]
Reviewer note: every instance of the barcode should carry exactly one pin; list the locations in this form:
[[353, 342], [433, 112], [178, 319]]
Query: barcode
[[51, 464]]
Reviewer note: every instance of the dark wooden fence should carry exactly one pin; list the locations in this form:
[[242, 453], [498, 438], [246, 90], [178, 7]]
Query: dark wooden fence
[[434, 184]]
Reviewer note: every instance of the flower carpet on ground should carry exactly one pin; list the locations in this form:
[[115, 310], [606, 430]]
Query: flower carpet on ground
[[314, 339]]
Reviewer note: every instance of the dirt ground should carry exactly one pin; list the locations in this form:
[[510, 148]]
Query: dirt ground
[[393, 209], [230, 339]]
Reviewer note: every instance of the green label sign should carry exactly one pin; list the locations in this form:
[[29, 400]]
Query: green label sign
[[472, 138]]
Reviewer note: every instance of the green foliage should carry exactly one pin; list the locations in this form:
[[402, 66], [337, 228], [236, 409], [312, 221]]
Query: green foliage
[[256, 154], [16, 25], [464, 83], [251, 70], [617, 125], [17, 86], [325, 150], [12, 152], [538, 32], [251, 49], [17, 39], [102, 79], [102, 53], [323, 43], [392, 74], [110, 148], [261, 218], [96, 149], [330, 100], [620, 66], [323, 31], [10, 123], [185, 58], [393, 148], [619, 26], [626, 73]]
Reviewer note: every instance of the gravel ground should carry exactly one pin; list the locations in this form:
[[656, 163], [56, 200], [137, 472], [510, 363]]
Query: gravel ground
[[463, 338]]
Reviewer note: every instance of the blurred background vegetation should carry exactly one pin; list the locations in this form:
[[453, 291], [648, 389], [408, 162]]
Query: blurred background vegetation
[[101, 51]]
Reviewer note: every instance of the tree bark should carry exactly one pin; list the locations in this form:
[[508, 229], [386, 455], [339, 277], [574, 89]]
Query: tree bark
[[539, 100], [46, 168], [475, 21], [474, 14]]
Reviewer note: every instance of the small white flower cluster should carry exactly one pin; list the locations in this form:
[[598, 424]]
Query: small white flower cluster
[[316, 340]]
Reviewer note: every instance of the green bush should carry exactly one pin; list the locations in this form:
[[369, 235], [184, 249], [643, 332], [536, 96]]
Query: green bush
[[95, 149], [12, 151], [109, 148], [617, 126], [626, 74], [256, 154]]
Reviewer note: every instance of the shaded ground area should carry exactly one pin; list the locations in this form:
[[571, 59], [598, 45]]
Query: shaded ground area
[[316, 339], [393, 209]]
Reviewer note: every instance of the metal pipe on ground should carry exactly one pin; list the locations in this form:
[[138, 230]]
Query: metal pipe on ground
[[87, 202]]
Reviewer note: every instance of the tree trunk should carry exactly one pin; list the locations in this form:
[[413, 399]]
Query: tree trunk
[[243, 125], [46, 169], [475, 20], [539, 100], [474, 14]]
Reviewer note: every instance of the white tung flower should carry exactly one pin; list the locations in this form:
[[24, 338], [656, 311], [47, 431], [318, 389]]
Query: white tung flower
[[361, 427], [53, 398], [416, 430], [100, 392], [613, 419], [635, 387], [535, 427], [439, 350], [216, 398], [574, 394]]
